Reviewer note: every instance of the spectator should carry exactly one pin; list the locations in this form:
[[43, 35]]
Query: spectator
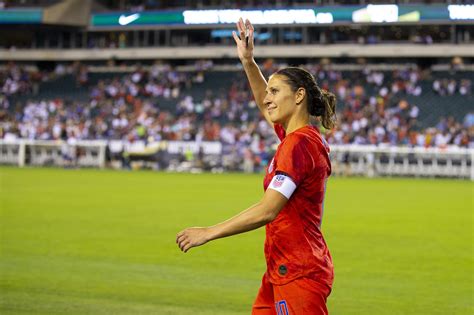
[[375, 109]]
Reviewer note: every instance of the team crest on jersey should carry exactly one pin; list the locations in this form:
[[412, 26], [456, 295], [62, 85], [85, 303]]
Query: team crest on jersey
[[270, 166], [281, 308], [279, 179]]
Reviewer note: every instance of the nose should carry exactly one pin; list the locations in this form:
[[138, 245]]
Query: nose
[[267, 100]]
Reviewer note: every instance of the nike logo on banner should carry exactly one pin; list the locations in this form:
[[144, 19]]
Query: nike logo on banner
[[125, 20]]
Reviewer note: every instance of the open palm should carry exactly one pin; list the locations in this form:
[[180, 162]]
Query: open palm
[[244, 45]]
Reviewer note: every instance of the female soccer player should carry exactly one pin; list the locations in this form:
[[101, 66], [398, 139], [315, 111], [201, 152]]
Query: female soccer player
[[299, 272]]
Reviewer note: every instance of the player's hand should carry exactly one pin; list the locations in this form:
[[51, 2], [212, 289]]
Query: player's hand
[[244, 39], [192, 237]]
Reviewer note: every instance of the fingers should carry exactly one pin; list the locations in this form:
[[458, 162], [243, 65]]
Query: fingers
[[241, 29], [180, 237], [250, 39], [248, 32], [237, 24], [191, 237], [236, 38], [187, 247], [248, 25], [244, 29], [183, 242], [241, 26]]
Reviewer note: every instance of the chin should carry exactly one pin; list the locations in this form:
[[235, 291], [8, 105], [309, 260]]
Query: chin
[[276, 119]]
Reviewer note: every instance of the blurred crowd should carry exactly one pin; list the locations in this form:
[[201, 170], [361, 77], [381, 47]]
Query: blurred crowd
[[17, 80], [373, 108]]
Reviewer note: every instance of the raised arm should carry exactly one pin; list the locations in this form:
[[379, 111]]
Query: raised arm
[[245, 45], [254, 217]]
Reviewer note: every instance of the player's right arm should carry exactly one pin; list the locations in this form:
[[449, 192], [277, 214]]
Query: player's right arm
[[257, 81], [252, 218]]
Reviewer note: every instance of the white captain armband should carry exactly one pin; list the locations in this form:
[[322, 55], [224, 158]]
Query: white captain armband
[[283, 184]]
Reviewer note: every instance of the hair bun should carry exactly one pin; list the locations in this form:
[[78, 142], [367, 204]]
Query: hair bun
[[318, 111], [317, 108]]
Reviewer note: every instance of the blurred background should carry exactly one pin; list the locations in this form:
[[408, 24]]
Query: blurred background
[[92, 92], [157, 84]]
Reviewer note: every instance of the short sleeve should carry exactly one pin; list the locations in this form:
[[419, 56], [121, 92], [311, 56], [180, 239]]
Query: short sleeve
[[280, 131], [294, 158]]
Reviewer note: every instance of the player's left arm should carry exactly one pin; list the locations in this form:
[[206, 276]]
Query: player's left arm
[[252, 218]]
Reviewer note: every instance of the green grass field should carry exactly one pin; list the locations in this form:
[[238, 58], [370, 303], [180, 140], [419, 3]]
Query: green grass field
[[103, 242]]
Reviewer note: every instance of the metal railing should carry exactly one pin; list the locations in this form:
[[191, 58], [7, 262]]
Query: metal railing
[[371, 161]]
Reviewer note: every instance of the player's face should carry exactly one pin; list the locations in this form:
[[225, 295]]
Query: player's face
[[280, 100]]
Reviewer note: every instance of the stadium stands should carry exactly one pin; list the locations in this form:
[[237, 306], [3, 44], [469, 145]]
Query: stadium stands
[[422, 98], [394, 107]]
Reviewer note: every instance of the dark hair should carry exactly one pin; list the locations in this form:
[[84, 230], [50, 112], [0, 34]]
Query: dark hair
[[321, 103]]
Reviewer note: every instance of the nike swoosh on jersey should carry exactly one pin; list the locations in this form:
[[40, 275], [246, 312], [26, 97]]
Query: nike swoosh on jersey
[[125, 20]]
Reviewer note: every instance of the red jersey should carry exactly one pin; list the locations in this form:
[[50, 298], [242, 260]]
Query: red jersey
[[294, 244]]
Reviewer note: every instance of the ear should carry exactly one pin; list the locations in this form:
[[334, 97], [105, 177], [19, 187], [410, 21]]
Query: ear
[[300, 95]]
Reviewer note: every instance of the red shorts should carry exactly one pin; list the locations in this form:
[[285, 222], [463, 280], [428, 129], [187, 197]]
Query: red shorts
[[301, 296]]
